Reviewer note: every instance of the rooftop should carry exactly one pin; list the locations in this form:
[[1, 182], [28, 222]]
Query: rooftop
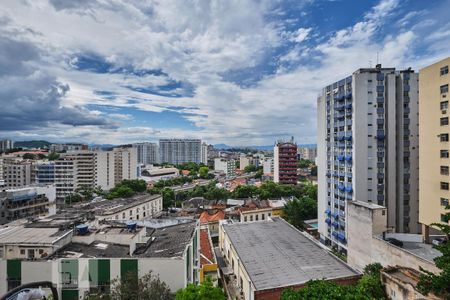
[[206, 251], [168, 241], [206, 217], [107, 207], [275, 254], [26, 235], [96, 249]]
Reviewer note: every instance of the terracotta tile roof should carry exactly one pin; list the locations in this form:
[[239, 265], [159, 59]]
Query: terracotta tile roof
[[206, 252], [205, 217]]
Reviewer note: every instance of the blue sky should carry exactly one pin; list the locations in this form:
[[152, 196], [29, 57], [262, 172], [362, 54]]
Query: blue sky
[[236, 72]]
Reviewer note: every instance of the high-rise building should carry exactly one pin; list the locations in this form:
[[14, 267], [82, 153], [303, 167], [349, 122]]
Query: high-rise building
[[180, 151], [204, 159], [114, 166], [368, 149], [147, 153], [268, 166], [308, 153], [285, 163], [17, 173], [67, 147], [6, 145], [434, 132], [228, 166]]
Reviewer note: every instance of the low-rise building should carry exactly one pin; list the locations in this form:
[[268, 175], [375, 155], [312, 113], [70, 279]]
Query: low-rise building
[[254, 213], [208, 263], [87, 259], [28, 202], [284, 257]]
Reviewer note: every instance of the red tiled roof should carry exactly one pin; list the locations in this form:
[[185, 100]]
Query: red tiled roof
[[205, 217], [207, 256]]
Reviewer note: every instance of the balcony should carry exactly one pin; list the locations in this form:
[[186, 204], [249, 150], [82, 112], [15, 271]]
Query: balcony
[[380, 76], [348, 95], [380, 100], [406, 88], [335, 224], [328, 212], [380, 88], [349, 189], [380, 110]]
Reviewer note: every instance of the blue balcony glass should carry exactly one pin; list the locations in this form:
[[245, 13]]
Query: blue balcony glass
[[335, 215], [349, 189], [328, 211], [349, 175], [340, 157], [380, 136], [328, 221], [380, 110], [348, 157], [335, 234], [341, 97], [406, 88], [341, 187], [348, 106], [348, 95], [380, 76], [380, 88], [335, 224], [380, 99], [341, 237], [348, 137]]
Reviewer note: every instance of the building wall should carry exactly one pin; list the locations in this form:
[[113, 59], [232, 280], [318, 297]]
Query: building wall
[[255, 215], [179, 151], [228, 166], [150, 208], [432, 197], [379, 106], [147, 153], [285, 163]]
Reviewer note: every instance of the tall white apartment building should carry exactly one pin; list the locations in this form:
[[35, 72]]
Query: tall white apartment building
[[268, 166], [2, 180], [88, 168], [228, 166], [6, 145], [204, 153], [17, 173], [179, 151], [368, 149], [147, 153]]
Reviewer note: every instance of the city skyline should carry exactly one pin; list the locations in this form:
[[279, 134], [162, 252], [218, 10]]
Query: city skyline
[[225, 72]]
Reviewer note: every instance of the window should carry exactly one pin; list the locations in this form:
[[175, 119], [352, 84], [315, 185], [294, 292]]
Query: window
[[444, 153], [444, 170], [444, 201], [444, 88], [444, 70], [245, 219], [444, 185], [444, 121], [444, 137], [251, 218], [444, 105], [262, 217], [444, 218], [256, 218], [22, 252], [41, 251]]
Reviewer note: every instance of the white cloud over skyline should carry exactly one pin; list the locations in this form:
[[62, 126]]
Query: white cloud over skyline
[[236, 72]]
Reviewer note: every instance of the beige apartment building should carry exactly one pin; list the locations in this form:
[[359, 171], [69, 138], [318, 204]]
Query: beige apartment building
[[434, 131]]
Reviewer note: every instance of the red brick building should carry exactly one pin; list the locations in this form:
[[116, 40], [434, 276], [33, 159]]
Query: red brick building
[[285, 163]]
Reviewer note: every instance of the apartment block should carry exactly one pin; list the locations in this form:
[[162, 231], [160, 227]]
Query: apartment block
[[285, 163], [147, 153], [67, 147], [6, 145], [204, 154], [180, 151], [368, 149], [434, 134], [17, 172], [308, 153], [228, 166], [28, 202]]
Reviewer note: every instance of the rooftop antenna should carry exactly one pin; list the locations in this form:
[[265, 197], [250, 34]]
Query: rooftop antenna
[[370, 63], [378, 57]]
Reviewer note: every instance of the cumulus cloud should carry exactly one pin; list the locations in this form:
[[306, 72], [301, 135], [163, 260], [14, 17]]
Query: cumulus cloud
[[241, 71]]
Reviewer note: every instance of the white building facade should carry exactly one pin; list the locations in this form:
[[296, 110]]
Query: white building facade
[[147, 153], [180, 151], [368, 149]]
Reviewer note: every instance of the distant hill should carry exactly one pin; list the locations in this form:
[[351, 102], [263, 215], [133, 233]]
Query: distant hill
[[32, 144], [260, 148]]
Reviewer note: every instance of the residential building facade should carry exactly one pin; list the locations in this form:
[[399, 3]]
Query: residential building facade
[[228, 166], [180, 151], [34, 201], [17, 173], [308, 153], [434, 150], [6, 145], [285, 163], [147, 153], [380, 107]]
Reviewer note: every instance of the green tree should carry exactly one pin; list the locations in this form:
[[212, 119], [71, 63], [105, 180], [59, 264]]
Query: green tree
[[245, 191], [168, 197], [53, 156], [203, 291], [297, 211], [41, 156], [304, 163], [203, 172], [250, 168], [130, 287], [439, 284], [29, 156], [314, 170]]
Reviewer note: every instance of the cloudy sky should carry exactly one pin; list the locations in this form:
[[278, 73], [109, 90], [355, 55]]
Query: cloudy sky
[[233, 71]]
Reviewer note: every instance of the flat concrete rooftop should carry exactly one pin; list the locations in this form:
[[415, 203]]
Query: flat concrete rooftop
[[275, 254], [425, 251]]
